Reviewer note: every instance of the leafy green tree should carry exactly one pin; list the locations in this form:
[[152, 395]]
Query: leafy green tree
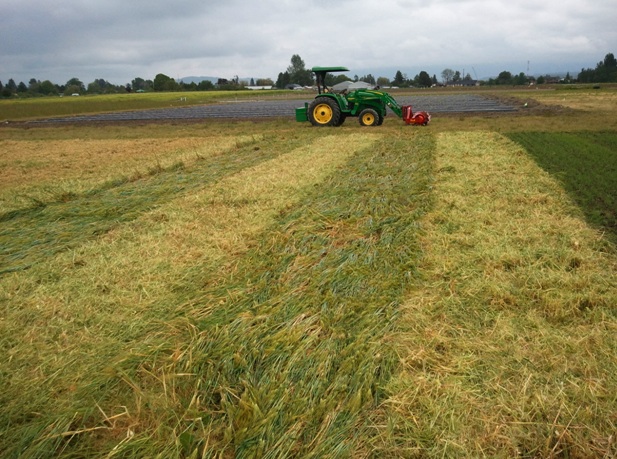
[[205, 85], [264, 82], [138, 84], [33, 85], [164, 83], [521, 79], [370, 79], [399, 79], [100, 86], [11, 85], [504, 78], [423, 80], [298, 73], [21, 87], [48, 88], [9, 89], [74, 85], [331, 79], [383, 81], [283, 80], [605, 71]]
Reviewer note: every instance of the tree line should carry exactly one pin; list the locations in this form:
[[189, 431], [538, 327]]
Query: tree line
[[297, 74]]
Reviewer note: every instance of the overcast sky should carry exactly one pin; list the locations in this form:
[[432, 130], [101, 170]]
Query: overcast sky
[[118, 40]]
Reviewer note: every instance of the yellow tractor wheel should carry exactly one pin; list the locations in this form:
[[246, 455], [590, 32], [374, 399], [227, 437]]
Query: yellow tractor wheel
[[324, 111], [368, 117]]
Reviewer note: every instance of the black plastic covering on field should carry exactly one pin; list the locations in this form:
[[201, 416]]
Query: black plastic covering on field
[[454, 103]]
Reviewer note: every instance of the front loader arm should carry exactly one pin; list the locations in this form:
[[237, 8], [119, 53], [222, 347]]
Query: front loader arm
[[406, 112], [392, 103]]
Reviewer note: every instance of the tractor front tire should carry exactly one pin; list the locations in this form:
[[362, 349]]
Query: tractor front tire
[[368, 117], [324, 111]]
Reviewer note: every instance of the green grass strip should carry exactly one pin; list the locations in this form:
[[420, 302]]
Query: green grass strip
[[285, 354], [586, 165]]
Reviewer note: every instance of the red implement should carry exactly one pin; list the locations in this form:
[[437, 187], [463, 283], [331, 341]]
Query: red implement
[[418, 118]]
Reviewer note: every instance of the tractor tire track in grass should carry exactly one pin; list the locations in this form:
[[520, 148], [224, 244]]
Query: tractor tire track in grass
[[285, 353]]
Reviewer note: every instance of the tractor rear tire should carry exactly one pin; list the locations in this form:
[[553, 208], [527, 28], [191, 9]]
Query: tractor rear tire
[[324, 111], [368, 117]]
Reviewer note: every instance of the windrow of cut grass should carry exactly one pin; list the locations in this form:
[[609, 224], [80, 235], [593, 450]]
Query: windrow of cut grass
[[96, 361], [390, 292], [508, 343], [40, 171], [31, 234], [283, 354]]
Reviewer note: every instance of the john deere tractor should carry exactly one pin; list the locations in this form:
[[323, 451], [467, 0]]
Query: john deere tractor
[[331, 108]]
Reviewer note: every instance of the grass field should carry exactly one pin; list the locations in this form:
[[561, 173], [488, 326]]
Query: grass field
[[273, 290]]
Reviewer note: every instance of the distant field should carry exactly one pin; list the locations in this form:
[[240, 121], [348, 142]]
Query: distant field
[[33, 108], [273, 290]]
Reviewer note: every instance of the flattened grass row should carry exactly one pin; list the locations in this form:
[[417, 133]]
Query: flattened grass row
[[281, 350], [354, 294], [32, 234]]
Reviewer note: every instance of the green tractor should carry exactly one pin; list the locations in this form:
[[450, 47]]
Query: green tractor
[[370, 106]]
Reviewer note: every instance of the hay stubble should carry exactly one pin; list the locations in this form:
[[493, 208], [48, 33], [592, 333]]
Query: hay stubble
[[507, 345]]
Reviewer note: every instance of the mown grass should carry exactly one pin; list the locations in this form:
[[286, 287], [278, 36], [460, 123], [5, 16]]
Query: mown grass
[[585, 163], [507, 345], [64, 169], [36, 232], [391, 292], [103, 269]]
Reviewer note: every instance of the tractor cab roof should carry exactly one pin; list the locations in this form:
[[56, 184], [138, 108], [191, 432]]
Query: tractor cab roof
[[320, 73], [329, 69]]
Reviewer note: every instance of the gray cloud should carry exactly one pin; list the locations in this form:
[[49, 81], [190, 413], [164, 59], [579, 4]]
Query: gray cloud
[[119, 41]]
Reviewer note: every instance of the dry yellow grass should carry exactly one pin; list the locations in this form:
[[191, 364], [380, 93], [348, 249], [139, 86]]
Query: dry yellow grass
[[585, 100], [40, 168], [514, 282]]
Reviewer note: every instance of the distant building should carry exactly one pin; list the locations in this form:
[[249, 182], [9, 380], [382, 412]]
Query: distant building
[[465, 83]]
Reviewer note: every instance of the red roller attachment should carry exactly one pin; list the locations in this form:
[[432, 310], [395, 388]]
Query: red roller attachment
[[419, 118]]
